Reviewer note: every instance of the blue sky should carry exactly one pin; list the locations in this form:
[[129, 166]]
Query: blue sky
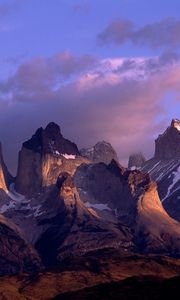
[[36, 27], [106, 69]]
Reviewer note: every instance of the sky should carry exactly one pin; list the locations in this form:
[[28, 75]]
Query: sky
[[102, 69]]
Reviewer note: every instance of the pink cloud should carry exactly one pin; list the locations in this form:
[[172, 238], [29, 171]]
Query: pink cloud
[[93, 101]]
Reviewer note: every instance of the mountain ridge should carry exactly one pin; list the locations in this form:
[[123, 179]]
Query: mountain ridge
[[67, 204]]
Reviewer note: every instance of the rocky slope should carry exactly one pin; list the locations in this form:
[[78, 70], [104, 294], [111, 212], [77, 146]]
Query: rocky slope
[[136, 288], [16, 255], [131, 198], [89, 271], [164, 168], [66, 205], [76, 229], [59, 225]]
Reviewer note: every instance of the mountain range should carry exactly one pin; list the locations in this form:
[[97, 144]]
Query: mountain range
[[77, 217]]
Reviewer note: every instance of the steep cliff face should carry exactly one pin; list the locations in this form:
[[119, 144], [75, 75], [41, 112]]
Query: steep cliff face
[[75, 229], [156, 231], [111, 189], [164, 168], [67, 205], [132, 198], [167, 145], [43, 158]]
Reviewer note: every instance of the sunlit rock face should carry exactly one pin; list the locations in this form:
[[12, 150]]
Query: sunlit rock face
[[43, 158], [136, 160], [164, 168], [155, 230], [101, 152], [75, 229], [168, 144], [133, 199], [3, 172], [67, 205]]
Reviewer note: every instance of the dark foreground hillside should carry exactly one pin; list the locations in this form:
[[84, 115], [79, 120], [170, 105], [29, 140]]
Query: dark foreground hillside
[[134, 288], [102, 274]]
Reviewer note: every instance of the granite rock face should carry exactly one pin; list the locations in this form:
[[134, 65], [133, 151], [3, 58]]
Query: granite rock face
[[132, 198], [167, 145], [43, 158], [75, 229], [101, 152], [136, 160], [68, 204], [50, 141], [164, 168]]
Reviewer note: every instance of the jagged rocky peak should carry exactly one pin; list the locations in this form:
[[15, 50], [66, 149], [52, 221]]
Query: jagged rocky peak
[[167, 145], [43, 157], [101, 152], [51, 141], [136, 160]]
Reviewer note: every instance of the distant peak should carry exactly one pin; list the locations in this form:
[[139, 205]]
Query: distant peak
[[136, 160], [101, 152], [103, 143]]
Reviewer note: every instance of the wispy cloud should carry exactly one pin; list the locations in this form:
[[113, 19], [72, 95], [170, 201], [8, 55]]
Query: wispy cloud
[[162, 34]]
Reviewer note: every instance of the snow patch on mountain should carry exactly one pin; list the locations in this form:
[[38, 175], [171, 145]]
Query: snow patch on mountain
[[69, 156], [57, 152], [176, 178], [18, 202], [177, 124], [99, 206], [37, 211]]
